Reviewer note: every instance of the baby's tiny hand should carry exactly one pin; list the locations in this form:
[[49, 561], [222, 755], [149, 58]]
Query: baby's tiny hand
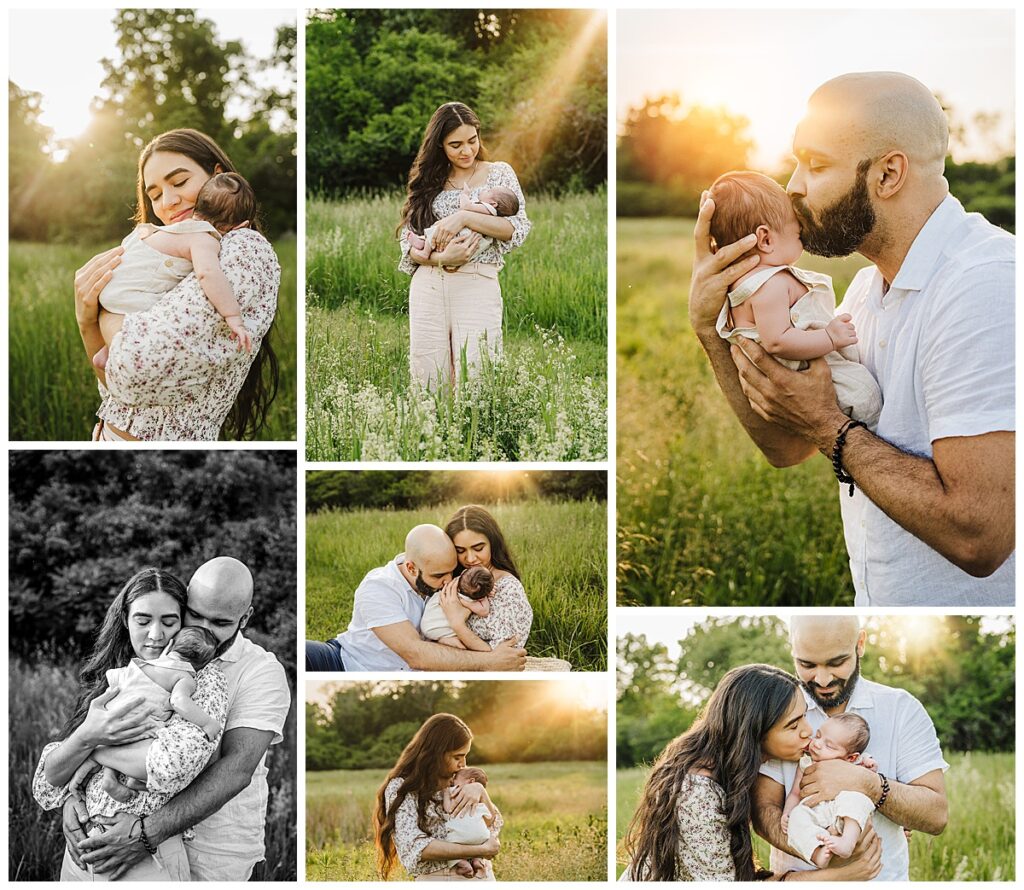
[[842, 331], [240, 332]]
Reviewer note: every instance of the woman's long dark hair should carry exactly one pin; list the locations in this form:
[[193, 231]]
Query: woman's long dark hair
[[248, 414], [430, 169], [477, 519], [725, 739], [420, 765], [113, 647]]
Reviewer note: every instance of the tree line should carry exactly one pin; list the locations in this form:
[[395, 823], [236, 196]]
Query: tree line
[[365, 725], [963, 677], [174, 71], [375, 76]]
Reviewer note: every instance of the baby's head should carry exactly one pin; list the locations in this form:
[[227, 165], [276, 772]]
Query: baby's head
[[196, 645], [751, 203], [226, 201], [504, 200], [476, 583], [470, 774], [843, 737]]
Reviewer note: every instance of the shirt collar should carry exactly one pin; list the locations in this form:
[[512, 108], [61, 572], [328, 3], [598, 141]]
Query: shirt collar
[[234, 651], [922, 259]]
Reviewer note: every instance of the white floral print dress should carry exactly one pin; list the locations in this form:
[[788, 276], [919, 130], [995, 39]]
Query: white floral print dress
[[410, 841], [510, 616], [174, 371], [178, 754], [499, 174]]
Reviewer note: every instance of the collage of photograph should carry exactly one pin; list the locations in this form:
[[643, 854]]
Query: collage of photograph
[[486, 381]]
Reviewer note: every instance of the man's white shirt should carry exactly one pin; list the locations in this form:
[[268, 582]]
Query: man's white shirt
[[230, 842], [382, 598], [940, 343], [905, 746]]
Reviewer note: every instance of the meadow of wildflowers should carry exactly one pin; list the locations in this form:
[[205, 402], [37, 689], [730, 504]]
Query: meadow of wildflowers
[[543, 398]]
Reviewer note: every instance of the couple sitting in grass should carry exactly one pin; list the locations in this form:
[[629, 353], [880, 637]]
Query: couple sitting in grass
[[452, 600]]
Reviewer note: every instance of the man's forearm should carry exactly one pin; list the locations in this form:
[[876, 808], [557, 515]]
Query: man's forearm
[[213, 788], [767, 819], [910, 491], [428, 656], [780, 447], [915, 807]]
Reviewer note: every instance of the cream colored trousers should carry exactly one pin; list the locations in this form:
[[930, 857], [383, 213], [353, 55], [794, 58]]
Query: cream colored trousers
[[449, 312]]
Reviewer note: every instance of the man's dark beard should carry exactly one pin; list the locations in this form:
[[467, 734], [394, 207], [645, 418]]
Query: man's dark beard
[[840, 228], [845, 689], [223, 647], [422, 586]]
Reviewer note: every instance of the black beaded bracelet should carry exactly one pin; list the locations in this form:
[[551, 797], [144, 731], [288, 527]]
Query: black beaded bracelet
[[885, 792], [146, 842], [837, 453]]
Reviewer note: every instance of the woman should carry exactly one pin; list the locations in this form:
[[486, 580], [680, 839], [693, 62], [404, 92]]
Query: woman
[[693, 820], [141, 620], [455, 299], [174, 371], [479, 542], [409, 822]]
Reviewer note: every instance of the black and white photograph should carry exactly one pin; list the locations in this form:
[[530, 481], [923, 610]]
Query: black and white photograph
[[152, 666]]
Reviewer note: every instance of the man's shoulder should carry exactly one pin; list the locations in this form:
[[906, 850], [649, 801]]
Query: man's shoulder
[[975, 244], [253, 657], [892, 696], [384, 576]]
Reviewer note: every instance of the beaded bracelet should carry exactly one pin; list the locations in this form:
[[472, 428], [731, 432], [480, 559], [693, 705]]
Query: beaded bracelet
[[885, 792], [146, 842], [837, 453]]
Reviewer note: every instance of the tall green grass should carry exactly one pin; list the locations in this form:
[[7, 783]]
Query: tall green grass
[[560, 548], [53, 393], [41, 697], [555, 822], [977, 845], [544, 399], [703, 519]]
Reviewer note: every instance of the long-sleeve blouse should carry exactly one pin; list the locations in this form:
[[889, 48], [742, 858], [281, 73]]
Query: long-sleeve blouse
[[177, 755], [174, 371], [510, 614], [704, 853], [410, 841], [499, 174]]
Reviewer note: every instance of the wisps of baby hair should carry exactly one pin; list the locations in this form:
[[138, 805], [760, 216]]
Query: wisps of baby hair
[[476, 583], [506, 201], [196, 645], [745, 200], [471, 774], [227, 201], [857, 727]]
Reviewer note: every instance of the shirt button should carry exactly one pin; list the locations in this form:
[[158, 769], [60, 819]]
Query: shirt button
[[168, 263], [883, 343]]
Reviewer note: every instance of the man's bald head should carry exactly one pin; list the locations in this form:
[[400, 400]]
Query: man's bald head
[[824, 631], [225, 579], [886, 111], [430, 549]]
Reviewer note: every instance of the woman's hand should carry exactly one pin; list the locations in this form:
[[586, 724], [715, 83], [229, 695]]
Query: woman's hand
[[466, 796], [446, 229], [454, 609], [713, 273], [75, 821], [90, 281], [459, 252], [129, 719]]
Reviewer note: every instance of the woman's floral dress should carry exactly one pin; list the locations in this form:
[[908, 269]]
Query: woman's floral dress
[[511, 614], [174, 371]]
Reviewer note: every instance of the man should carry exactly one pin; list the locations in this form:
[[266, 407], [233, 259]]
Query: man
[[383, 634], [908, 790], [227, 803], [931, 519]]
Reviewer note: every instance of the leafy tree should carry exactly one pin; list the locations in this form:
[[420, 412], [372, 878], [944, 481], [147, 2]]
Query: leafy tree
[[26, 160]]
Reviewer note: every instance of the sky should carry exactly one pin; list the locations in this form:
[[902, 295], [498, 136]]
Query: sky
[[85, 37], [765, 64]]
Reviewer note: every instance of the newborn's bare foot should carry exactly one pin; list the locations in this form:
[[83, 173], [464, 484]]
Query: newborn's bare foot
[[821, 857], [842, 846], [112, 785], [464, 867]]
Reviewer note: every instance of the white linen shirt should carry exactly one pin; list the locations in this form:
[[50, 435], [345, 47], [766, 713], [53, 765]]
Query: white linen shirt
[[383, 597], [229, 843], [903, 743], [940, 344]]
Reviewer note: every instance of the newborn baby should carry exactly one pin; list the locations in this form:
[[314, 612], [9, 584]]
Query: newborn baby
[[833, 827], [473, 826], [475, 585], [789, 311], [498, 201]]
